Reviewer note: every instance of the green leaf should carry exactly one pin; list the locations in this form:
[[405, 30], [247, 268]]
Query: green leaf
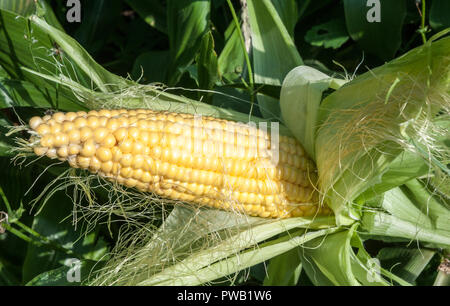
[[288, 12], [231, 59], [406, 263], [99, 17], [404, 168], [187, 23], [48, 14], [20, 7], [238, 233], [327, 261], [152, 11], [207, 64], [376, 25], [331, 34], [103, 79], [14, 93], [54, 223], [232, 264], [284, 269], [300, 99], [385, 225], [440, 14], [150, 66], [64, 275], [273, 50], [331, 260], [7, 275], [34, 44]]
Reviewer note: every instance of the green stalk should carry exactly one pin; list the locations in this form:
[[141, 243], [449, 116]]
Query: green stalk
[[247, 59], [422, 25]]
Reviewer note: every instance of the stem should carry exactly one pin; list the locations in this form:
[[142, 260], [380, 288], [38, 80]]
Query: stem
[[37, 238], [5, 200], [422, 26], [19, 234], [247, 59]]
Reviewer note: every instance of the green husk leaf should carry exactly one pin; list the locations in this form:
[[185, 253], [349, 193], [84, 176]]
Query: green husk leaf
[[237, 262], [384, 224], [367, 123], [300, 98], [406, 263], [284, 269]]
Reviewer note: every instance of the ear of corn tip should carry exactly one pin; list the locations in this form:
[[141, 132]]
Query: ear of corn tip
[[207, 161]]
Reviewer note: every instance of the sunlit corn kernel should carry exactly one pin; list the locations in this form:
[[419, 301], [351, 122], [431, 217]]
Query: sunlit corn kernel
[[55, 128], [35, 122], [46, 117], [63, 152], [126, 146], [92, 121], [100, 134], [146, 177], [51, 153], [43, 129], [137, 174], [40, 150], [85, 133], [120, 134], [70, 116], [138, 161], [133, 132], [59, 117], [141, 123], [107, 167], [137, 148], [153, 138], [67, 126], [74, 149], [88, 148], [141, 186], [126, 172], [60, 139], [80, 122], [93, 113], [126, 160], [117, 154], [81, 114], [109, 141], [164, 168], [104, 113], [112, 124], [83, 162], [123, 121], [47, 140], [115, 170], [103, 154], [102, 121], [95, 164], [156, 152]]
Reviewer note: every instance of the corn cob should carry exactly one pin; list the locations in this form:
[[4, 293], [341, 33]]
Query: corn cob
[[206, 161]]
